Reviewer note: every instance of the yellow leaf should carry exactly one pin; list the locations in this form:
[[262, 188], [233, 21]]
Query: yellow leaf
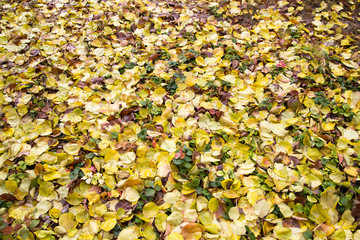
[[234, 213], [159, 92], [108, 224], [46, 188], [318, 214], [168, 145], [328, 198], [150, 210], [319, 78], [302, 75], [11, 185], [71, 148], [337, 177], [160, 221], [100, 209], [283, 233], [328, 126], [201, 203], [205, 218], [131, 195], [262, 208], [230, 194], [19, 212], [54, 213], [190, 80], [351, 134], [148, 233], [67, 221], [129, 233], [314, 153], [111, 155], [51, 176], [200, 61], [337, 70], [265, 33], [352, 171], [74, 198], [172, 197], [128, 158], [212, 228], [175, 218], [174, 236], [226, 183], [213, 205], [285, 210], [236, 117], [338, 234]]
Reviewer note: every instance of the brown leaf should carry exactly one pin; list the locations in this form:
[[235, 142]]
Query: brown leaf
[[327, 138], [125, 146], [154, 56], [317, 165], [130, 37], [121, 35], [9, 229], [127, 206], [38, 168], [127, 115], [209, 54], [295, 160], [234, 63], [8, 197], [291, 223], [294, 103], [159, 198], [355, 212], [105, 126], [97, 80], [81, 84], [121, 175], [192, 231], [34, 52], [23, 153], [133, 27], [42, 115], [70, 47]]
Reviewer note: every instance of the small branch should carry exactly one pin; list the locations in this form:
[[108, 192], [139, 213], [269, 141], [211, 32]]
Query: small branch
[[302, 102]]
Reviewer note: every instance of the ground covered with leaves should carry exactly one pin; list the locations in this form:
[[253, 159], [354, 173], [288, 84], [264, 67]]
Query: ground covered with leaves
[[179, 120]]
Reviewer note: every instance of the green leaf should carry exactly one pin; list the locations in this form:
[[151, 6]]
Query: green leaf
[[114, 135], [187, 165], [95, 140], [142, 134], [157, 188], [90, 155], [178, 161], [150, 192], [73, 175], [195, 182], [187, 159], [344, 201], [308, 234], [150, 184], [34, 223]]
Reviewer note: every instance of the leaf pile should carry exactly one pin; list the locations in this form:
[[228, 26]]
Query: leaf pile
[[179, 120]]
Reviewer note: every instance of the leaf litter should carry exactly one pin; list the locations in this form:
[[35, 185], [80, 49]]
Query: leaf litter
[[179, 120]]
